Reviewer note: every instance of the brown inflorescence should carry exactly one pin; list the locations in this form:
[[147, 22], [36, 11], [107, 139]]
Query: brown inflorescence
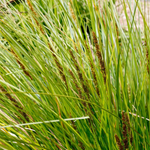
[[15, 103], [128, 128], [99, 55], [93, 70], [32, 9], [147, 56], [75, 82], [147, 53], [79, 74], [118, 142], [21, 65], [50, 47], [58, 65], [125, 132]]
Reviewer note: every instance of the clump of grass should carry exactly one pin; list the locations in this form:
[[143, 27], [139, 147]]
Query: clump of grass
[[70, 59]]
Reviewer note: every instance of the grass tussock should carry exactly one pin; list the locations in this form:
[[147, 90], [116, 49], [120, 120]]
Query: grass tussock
[[71, 77]]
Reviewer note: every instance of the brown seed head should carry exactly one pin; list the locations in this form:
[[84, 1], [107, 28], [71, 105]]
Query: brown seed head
[[124, 127], [15, 103], [118, 142], [21, 65], [79, 73], [99, 55], [93, 71], [76, 84]]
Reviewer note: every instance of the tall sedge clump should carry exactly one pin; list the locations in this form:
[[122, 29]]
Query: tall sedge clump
[[15, 103], [99, 55], [125, 132]]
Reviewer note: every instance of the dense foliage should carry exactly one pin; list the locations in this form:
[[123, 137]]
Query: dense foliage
[[71, 77]]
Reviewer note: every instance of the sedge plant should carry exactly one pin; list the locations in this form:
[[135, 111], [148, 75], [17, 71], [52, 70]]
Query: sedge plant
[[71, 77]]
